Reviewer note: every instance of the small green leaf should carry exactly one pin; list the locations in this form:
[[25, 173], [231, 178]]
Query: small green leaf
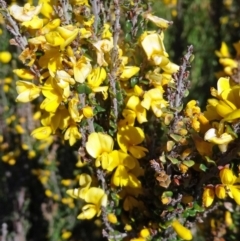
[[230, 131], [173, 160], [189, 163], [133, 81], [98, 128], [186, 93], [83, 89], [210, 161], [99, 108], [203, 167], [167, 194], [175, 137]]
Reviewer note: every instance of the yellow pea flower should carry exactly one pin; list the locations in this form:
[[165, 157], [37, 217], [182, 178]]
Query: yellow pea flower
[[103, 47], [181, 231], [136, 110], [221, 140], [24, 74], [42, 132], [27, 91], [98, 144], [34, 23], [153, 46], [154, 99], [96, 198], [95, 79], [229, 181], [54, 38], [82, 69], [128, 138], [129, 72], [208, 196], [220, 191], [72, 134]]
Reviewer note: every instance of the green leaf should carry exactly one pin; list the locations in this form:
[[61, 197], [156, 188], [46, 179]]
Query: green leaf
[[98, 128], [230, 131], [198, 208], [186, 93], [133, 81], [203, 167], [175, 137], [167, 194], [99, 108], [189, 163], [83, 89], [173, 160], [210, 161]]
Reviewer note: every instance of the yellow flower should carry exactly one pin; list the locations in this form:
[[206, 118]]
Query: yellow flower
[[154, 48], [5, 57], [27, 91], [24, 74], [220, 191], [129, 72], [154, 99], [96, 198], [112, 218], [221, 140], [208, 195], [229, 181], [144, 233], [123, 175], [87, 111], [72, 134], [128, 138], [106, 33], [85, 181], [99, 144], [54, 38], [226, 105], [25, 13], [74, 109], [42, 132], [66, 235], [223, 53], [134, 110], [34, 23], [82, 69], [103, 47], [95, 79], [181, 231], [46, 10]]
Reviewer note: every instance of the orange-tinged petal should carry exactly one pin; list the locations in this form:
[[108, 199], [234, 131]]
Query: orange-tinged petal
[[220, 191], [208, 196]]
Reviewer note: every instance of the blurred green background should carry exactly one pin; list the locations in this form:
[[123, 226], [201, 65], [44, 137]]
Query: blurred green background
[[27, 209]]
